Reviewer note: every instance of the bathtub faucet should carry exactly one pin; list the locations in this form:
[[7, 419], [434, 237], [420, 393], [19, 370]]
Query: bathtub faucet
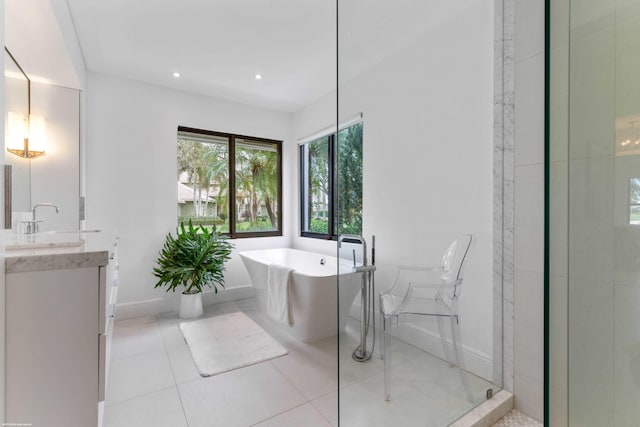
[[354, 238], [367, 291]]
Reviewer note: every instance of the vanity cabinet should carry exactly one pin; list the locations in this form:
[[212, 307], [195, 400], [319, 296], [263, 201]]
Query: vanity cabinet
[[59, 319]]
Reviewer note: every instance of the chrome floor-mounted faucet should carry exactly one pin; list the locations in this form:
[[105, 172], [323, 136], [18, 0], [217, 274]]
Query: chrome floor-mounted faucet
[[367, 290]]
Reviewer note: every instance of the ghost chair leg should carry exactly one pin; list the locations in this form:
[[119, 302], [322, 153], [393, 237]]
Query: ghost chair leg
[[387, 356], [442, 315], [459, 355]]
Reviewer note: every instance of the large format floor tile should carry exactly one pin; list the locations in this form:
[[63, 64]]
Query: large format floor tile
[[153, 381], [238, 398], [327, 405], [304, 415], [138, 375], [182, 365], [159, 409], [313, 370], [136, 336]]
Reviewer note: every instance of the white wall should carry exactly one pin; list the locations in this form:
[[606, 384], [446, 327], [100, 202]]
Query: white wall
[[132, 170], [428, 156]]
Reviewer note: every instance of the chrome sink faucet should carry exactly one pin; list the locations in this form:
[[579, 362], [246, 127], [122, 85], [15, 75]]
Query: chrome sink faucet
[[32, 226]]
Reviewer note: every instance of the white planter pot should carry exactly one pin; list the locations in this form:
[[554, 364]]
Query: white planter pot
[[190, 306]]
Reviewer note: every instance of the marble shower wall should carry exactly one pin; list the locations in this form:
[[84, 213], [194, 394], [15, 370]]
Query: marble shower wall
[[519, 199]]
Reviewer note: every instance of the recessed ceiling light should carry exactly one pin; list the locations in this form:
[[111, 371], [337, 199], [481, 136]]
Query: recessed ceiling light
[[176, 74], [258, 76]]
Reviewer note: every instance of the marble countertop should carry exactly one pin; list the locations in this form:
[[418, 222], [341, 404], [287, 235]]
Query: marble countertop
[[55, 250]]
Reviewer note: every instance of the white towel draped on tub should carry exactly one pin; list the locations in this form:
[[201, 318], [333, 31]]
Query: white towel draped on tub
[[278, 308]]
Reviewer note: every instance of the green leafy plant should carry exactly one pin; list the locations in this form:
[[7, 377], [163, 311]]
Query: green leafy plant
[[194, 258]]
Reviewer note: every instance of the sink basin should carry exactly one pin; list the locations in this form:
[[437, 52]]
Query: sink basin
[[43, 245]]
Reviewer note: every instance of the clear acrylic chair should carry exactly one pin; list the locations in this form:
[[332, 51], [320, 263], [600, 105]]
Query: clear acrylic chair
[[429, 292]]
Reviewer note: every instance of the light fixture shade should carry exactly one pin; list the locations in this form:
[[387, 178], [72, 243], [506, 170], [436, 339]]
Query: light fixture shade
[[25, 136], [36, 133], [17, 130]]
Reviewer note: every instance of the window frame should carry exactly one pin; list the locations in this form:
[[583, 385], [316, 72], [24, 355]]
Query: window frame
[[233, 233], [331, 205], [332, 209]]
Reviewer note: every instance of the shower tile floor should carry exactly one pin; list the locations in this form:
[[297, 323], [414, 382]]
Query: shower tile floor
[[517, 419], [154, 382]]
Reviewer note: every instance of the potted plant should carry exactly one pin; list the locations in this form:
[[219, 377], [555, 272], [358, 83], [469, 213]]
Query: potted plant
[[194, 258]]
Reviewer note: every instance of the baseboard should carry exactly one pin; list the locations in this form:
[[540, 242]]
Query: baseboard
[[477, 362], [231, 294], [130, 310], [171, 302]]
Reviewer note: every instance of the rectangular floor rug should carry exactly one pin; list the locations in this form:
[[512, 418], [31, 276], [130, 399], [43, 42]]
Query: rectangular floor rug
[[230, 341]]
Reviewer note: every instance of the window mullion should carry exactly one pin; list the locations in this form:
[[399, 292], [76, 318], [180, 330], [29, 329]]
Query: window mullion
[[304, 192], [232, 187], [332, 204], [279, 212]]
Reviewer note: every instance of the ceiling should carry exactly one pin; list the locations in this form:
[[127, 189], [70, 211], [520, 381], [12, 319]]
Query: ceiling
[[35, 39], [218, 46]]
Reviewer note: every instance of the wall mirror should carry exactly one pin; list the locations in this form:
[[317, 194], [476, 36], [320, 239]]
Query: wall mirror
[[16, 106], [42, 148]]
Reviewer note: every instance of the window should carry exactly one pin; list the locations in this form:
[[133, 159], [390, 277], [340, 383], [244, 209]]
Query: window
[[331, 184], [230, 181], [634, 201]]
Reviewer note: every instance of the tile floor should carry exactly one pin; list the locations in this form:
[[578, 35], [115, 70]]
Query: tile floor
[[154, 382], [517, 419]]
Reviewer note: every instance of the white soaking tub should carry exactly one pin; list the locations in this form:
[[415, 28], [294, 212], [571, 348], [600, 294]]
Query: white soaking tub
[[313, 296]]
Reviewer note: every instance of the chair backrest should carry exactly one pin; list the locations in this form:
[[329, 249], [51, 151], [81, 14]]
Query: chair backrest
[[455, 258]]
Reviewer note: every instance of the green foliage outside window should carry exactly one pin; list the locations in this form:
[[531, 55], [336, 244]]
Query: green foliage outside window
[[350, 180], [257, 180], [205, 166], [341, 159]]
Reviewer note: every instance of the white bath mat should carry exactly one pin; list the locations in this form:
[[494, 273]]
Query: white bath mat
[[230, 341]]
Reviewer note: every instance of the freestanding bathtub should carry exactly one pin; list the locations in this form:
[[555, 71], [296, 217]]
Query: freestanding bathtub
[[313, 297]]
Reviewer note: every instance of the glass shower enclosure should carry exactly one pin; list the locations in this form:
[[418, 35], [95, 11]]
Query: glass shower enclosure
[[419, 76], [594, 213]]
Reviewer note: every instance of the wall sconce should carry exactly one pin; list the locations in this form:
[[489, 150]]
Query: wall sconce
[[25, 135]]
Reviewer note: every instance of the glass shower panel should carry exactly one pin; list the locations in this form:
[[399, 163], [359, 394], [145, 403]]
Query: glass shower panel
[[595, 355], [558, 212], [419, 77], [626, 238], [591, 212]]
